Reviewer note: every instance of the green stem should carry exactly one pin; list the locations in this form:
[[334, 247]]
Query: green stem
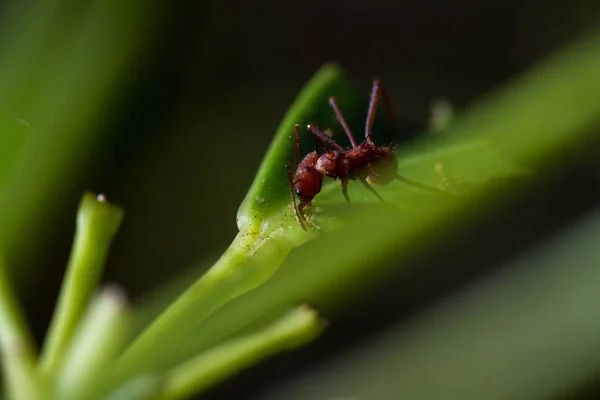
[[141, 388], [99, 338], [250, 260], [16, 344], [297, 327], [97, 223]]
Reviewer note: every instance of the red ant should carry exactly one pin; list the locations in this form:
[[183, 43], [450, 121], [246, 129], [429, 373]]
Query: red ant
[[366, 162]]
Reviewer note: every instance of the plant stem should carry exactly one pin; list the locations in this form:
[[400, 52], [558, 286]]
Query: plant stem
[[140, 388], [250, 260], [99, 338], [294, 329], [97, 223], [16, 344]]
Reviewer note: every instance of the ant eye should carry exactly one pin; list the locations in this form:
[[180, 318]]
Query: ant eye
[[299, 192]]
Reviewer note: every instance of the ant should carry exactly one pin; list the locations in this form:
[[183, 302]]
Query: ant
[[306, 182], [366, 162]]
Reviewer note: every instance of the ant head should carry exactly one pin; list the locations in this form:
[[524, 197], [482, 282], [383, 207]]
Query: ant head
[[307, 183]]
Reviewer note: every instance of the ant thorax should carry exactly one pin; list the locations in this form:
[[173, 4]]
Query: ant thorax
[[332, 164], [361, 156]]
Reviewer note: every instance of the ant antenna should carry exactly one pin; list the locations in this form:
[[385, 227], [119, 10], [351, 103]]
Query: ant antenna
[[291, 180], [326, 140], [371, 111], [342, 120], [297, 146]]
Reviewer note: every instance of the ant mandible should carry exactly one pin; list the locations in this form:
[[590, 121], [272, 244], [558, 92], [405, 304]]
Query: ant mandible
[[366, 162]]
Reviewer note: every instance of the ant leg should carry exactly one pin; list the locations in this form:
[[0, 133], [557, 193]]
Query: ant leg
[[371, 188], [297, 211], [345, 190], [325, 140], [342, 120], [424, 187], [378, 89]]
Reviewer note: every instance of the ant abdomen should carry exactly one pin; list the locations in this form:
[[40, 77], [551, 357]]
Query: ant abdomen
[[384, 169]]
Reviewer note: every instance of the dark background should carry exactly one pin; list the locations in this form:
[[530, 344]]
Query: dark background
[[191, 128]]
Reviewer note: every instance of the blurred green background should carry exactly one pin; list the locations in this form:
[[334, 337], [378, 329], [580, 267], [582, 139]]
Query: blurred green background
[[205, 87]]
